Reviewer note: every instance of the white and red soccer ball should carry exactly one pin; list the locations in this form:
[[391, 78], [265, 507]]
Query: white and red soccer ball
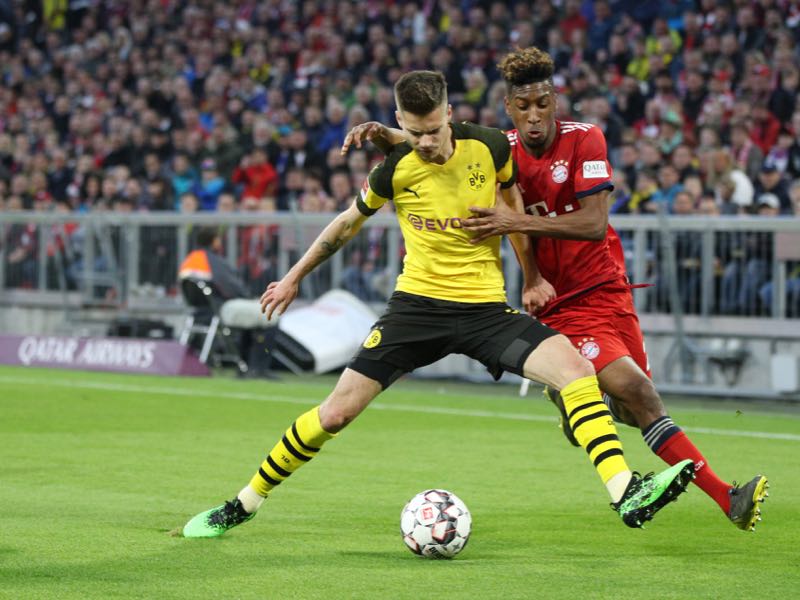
[[435, 524]]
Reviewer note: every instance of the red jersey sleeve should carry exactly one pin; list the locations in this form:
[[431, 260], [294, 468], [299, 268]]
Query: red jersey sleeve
[[592, 169]]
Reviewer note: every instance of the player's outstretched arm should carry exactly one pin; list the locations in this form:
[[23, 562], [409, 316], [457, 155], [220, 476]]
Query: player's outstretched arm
[[505, 217], [280, 294], [380, 135], [536, 290], [590, 223]]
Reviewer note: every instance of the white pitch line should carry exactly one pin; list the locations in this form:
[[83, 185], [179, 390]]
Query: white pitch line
[[440, 410]]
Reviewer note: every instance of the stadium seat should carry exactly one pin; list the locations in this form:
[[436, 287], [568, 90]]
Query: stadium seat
[[204, 319]]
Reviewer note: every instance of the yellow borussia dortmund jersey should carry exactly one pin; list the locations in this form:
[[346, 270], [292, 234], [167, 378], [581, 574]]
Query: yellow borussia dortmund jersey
[[431, 200]]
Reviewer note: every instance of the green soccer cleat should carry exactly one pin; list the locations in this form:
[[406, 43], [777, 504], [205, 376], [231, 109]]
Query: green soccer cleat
[[216, 521], [744, 511], [555, 397], [645, 496]]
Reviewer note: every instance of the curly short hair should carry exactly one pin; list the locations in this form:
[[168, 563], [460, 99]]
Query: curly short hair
[[420, 92], [523, 67]]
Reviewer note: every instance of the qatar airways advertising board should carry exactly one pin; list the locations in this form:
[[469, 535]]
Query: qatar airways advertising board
[[123, 355]]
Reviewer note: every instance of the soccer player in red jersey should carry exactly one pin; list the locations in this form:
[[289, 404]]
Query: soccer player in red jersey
[[565, 179]]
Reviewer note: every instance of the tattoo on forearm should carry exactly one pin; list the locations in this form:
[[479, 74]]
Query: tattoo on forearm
[[330, 248], [341, 232]]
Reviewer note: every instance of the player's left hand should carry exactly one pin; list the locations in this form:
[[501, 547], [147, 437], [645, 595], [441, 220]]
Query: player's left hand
[[486, 222], [278, 296], [536, 295], [370, 131]]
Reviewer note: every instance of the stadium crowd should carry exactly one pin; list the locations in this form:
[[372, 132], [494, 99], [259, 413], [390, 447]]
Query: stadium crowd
[[163, 105]]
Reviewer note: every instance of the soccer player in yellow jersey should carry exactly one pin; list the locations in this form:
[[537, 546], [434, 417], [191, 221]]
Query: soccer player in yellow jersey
[[450, 298]]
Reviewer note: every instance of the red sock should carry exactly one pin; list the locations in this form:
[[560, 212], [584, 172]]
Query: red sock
[[679, 447]]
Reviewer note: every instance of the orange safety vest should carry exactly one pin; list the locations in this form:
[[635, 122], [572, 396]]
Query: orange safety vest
[[195, 265]]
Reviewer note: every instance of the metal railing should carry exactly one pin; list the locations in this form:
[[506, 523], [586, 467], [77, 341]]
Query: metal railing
[[723, 295], [739, 266]]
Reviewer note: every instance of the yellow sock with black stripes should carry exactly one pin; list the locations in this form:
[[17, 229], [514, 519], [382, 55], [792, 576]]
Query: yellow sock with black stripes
[[594, 429], [299, 444]]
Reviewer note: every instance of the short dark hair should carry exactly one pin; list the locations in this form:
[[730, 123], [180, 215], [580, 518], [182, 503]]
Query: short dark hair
[[420, 92], [527, 66], [206, 236]]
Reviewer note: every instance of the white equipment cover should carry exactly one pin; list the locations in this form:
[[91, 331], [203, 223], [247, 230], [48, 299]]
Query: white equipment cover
[[332, 328], [244, 313]]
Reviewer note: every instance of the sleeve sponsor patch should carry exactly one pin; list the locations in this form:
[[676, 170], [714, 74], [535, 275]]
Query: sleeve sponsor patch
[[595, 169], [364, 189]]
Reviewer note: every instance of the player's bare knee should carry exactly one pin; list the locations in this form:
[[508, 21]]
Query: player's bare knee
[[640, 397], [335, 422], [572, 365], [576, 367], [640, 391], [583, 367], [340, 408], [352, 394], [557, 363], [335, 416], [623, 414]]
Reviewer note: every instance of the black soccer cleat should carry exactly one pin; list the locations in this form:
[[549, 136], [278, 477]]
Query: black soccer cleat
[[218, 520], [745, 511], [645, 496]]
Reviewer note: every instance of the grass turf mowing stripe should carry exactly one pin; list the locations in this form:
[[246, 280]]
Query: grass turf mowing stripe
[[138, 389]]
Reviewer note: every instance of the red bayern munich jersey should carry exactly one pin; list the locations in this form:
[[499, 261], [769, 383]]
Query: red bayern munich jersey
[[575, 166]]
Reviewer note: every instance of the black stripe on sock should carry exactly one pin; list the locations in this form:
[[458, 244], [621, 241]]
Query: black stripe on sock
[[267, 478], [276, 468], [294, 451], [597, 415], [611, 437], [581, 407], [300, 440], [662, 437], [607, 454], [665, 437], [654, 424]]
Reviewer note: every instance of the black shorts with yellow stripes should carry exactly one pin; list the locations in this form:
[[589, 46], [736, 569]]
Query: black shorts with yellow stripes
[[416, 331]]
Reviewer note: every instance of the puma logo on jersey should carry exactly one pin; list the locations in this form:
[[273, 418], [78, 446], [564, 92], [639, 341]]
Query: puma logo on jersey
[[410, 191]]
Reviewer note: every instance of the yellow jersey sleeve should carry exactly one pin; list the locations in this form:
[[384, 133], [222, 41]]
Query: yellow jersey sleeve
[[378, 188], [369, 201], [502, 156], [497, 144], [507, 175]]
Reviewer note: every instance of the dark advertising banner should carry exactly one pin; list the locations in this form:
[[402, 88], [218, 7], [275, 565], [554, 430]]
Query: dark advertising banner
[[124, 355]]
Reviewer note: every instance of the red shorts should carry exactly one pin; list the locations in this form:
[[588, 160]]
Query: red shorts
[[603, 326]]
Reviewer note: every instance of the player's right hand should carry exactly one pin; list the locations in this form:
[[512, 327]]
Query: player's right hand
[[537, 295], [278, 296], [360, 133]]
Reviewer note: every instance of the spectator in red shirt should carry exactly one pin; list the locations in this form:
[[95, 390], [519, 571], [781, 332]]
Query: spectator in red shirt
[[573, 19], [256, 174], [764, 128]]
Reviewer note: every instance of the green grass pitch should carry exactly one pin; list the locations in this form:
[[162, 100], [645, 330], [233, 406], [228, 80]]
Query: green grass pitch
[[96, 469]]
